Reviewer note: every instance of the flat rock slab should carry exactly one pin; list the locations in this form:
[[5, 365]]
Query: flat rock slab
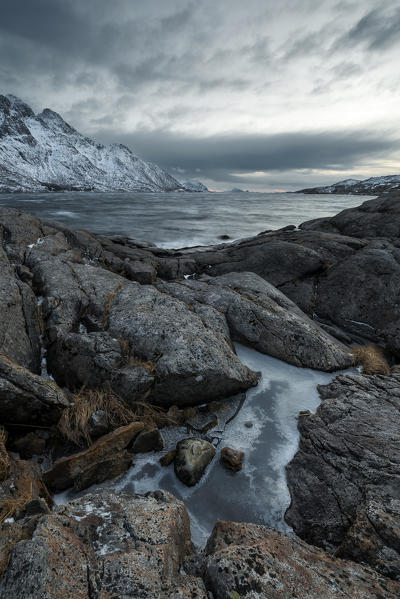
[[344, 480], [105, 459], [246, 560]]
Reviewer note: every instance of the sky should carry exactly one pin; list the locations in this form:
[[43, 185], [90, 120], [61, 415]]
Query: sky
[[258, 94]]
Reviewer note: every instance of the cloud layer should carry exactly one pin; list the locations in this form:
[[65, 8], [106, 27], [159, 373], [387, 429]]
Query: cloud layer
[[262, 94]]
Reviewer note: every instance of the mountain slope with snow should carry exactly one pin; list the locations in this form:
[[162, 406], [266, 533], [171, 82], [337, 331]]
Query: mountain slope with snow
[[195, 186], [42, 153], [371, 186]]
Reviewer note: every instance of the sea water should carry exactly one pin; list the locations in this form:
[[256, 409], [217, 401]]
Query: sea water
[[177, 220]]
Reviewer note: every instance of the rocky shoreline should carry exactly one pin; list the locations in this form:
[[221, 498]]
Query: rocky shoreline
[[105, 340]]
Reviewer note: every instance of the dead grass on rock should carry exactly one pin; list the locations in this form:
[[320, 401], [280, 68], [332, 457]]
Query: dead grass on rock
[[372, 359], [74, 423], [4, 457], [12, 504]]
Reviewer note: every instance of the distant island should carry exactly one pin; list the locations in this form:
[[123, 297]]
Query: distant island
[[371, 186]]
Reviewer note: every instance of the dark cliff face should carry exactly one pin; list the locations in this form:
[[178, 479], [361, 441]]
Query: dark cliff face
[[42, 152]]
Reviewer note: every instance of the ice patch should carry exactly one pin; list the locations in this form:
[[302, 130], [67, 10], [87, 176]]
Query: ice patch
[[265, 428]]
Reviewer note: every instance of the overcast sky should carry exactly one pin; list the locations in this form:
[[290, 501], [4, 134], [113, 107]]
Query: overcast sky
[[258, 94]]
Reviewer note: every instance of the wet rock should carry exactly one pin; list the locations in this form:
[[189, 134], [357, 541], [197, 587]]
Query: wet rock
[[246, 560], [148, 440], [232, 458], [192, 458], [26, 398], [106, 544], [168, 458], [344, 479], [105, 459], [259, 315]]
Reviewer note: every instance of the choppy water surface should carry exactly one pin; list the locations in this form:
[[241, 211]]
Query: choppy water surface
[[258, 493], [180, 219]]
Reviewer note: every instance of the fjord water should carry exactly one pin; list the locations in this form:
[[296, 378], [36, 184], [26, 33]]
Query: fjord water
[[180, 219]]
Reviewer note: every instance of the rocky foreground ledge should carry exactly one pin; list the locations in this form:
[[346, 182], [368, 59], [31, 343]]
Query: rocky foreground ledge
[[104, 340]]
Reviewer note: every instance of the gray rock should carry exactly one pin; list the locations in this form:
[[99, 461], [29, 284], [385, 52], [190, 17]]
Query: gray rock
[[260, 315], [148, 440], [26, 398], [246, 560], [192, 458], [379, 217], [94, 359], [191, 363], [98, 424], [346, 475], [19, 324], [106, 544]]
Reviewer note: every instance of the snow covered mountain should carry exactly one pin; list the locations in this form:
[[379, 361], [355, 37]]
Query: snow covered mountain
[[194, 186], [371, 186], [43, 153]]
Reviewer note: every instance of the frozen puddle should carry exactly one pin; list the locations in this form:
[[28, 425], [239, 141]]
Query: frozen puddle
[[258, 493]]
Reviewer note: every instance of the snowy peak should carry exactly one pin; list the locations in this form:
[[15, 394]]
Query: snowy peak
[[43, 152], [371, 186], [195, 186]]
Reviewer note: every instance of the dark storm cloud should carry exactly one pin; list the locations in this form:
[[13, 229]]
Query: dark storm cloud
[[163, 76], [378, 29], [221, 156]]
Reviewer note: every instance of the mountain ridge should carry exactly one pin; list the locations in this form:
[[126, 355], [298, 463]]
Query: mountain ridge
[[370, 186], [42, 152]]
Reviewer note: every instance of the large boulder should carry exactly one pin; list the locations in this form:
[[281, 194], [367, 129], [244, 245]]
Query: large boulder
[[246, 560], [191, 363], [105, 459], [27, 398], [344, 480], [361, 293], [261, 316], [106, 544], [379, 217]]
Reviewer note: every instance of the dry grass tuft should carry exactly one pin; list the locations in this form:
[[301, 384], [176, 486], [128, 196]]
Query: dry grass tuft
[[12, 504], [372, 359], [4, 457], [74, 421]]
